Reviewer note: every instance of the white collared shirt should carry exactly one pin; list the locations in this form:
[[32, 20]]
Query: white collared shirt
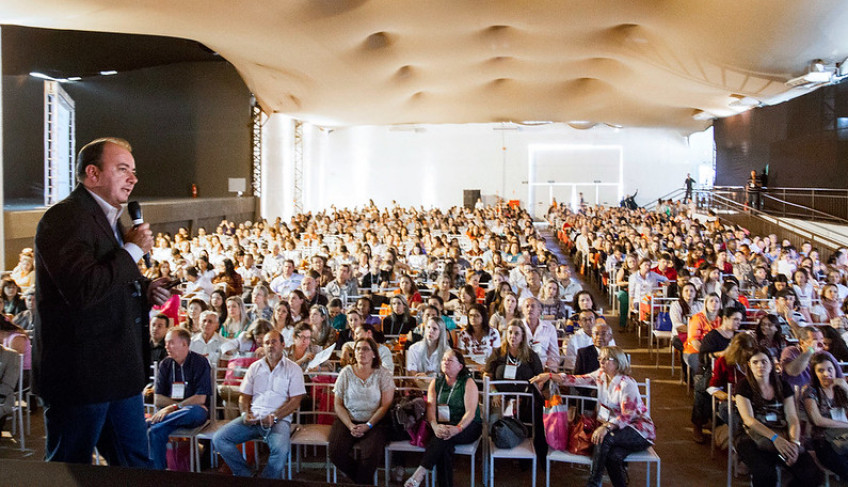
[[272, 388], [112, 216]]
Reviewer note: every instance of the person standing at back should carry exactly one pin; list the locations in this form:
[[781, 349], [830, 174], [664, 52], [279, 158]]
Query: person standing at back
[[92, 303]]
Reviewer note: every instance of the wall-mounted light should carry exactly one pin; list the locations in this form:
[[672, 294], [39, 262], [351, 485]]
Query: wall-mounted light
[[109, 72]]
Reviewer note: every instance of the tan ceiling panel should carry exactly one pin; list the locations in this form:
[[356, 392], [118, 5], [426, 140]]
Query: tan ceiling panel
[[645, 63]]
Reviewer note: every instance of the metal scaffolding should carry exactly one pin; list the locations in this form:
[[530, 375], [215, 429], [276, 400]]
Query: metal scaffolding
[[256, 125], [298, 166]]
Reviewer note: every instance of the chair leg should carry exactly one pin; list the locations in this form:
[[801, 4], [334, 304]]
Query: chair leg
[[534, 471], [547, 472], [473, 465], [387, 461]]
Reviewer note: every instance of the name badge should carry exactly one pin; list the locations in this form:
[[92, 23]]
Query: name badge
[[178, 391], [603, 413], [771, 417], [444, 413], [838, 414], [509, 372]]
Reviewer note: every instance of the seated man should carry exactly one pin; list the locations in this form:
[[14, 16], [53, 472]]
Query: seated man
[[159, 325], [343, 285], [271, 391], [587, 357], [287, 281], [568, 287], [208, 341], [581, 338], [309, 286], [795, 359], [183, 387], [363, 331], [786, 307]]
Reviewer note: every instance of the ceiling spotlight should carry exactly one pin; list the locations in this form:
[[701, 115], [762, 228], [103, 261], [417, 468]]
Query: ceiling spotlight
[[108, 72], [702, 115], [741, 101], [581, 124]]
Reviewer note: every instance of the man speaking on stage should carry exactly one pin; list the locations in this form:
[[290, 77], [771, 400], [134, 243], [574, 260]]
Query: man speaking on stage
[[92, 305]]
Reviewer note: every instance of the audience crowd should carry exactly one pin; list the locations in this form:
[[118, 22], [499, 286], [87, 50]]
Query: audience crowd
[[364, 297]]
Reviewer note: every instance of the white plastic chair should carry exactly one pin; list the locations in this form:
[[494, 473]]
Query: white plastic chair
[[307, 432], [525, 450]]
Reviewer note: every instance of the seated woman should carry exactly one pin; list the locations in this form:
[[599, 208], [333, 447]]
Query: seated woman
[[478, 340], [830, 307], [217, 303], [506, 311], [400, 321], [453, 411], [825, 399], [195, 307], [803, 288], [700, 324], [323, 334], [302, 351], [424, 356], [366, 308], [769, 335], [230, 278], [261, 307], [249, 343], [298, 306], [731, 368], [14, 337], [515, 360], [13, 303], [364, 392], [625, 426], [409, 290], [772, 431], [24, 273], [622, 280], [681, 311], [584, 300], [553, 308], [730, 297], [282, 322], [236, 321]]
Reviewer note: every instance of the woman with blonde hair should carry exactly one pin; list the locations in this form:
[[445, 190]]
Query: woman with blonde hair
[[236, 321], [625, 426]]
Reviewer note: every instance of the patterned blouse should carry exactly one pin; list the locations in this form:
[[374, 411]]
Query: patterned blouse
[[470, 345], [621, 396]]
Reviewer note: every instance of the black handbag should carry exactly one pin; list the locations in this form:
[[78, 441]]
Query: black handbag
[[508, 433], [838, 439]]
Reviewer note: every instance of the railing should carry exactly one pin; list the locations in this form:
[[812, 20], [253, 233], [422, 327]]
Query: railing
[[821, 204]]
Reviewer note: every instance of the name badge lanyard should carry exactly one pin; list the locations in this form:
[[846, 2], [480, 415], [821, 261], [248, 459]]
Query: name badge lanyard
[[444, 409], [511, 368]]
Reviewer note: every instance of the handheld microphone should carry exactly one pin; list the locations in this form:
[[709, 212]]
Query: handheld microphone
[[134, 210]]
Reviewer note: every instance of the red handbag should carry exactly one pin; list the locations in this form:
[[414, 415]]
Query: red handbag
[[580, 435]]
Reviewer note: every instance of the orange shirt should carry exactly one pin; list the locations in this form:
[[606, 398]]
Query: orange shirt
[[699, 326]]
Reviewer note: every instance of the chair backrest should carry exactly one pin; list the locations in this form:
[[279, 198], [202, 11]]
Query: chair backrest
[[321, 407], [522, 398], [645, 392]]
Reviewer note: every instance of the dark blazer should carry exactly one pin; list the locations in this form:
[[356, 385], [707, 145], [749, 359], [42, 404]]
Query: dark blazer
[[587, 360], [91, 336]]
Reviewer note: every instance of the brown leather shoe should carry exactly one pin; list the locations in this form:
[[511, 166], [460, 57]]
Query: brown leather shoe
[[698, 434]]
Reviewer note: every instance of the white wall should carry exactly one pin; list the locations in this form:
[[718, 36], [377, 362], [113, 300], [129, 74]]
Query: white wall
[[431, 165]]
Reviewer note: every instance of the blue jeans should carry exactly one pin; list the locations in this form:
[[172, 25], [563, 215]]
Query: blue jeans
[[158, 433], [116, 428], [227, 439]]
